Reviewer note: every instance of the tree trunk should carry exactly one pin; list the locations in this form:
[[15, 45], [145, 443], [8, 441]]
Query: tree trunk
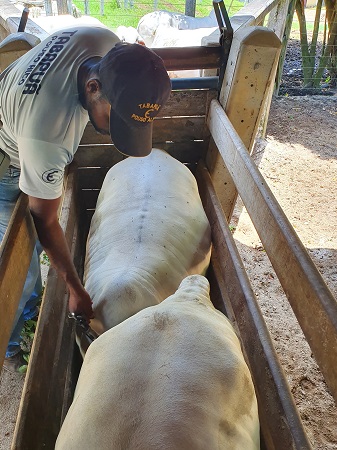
[[331, 13], [62, 7], [48, 7], [285, 39], [308, 62], [329, 54]]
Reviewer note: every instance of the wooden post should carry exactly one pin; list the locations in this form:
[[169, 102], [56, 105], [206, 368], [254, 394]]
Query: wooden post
[[280, 20], [48, 7], [190, 8], [285, 39], [15, 255], [14, 46], [49, 382], [248, 78], [86, 7], [238, 302], [311, 300], [62, 7]]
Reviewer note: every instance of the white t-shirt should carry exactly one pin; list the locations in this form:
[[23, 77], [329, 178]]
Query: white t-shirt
[[43, 120]]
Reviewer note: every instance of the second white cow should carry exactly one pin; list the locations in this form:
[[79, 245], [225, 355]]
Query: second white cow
[[149, 231], [171, 377], [148, 25]]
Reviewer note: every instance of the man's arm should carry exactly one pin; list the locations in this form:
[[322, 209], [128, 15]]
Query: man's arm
[[51, 236]]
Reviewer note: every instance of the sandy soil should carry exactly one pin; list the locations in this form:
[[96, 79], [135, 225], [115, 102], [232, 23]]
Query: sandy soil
[[298, 161]]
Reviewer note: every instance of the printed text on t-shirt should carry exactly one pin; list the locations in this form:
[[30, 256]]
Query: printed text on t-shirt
[[40, 65]]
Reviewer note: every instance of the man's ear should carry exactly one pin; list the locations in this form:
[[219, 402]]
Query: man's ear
[[93, 86]]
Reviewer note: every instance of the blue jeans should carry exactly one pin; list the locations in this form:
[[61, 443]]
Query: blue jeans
[[27, 309]]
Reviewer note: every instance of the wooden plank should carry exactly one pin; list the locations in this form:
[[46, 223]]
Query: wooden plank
[[47, 381], [251, 68], [181, 103], [91, 178], [285, 39], [89, 198], [186, 58], [252, 14], [185, 152], [91, 137], [100, 155], [15, 257], [280, 423], [278, 20], [313, 303], [165, 129], [180, 129], [250, 76], [105, 156], [188, 103]]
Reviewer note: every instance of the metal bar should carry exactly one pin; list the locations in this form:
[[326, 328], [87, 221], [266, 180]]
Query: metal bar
[[226, 35], [195, 83], [23, 21], [222, 16], [190, 7]]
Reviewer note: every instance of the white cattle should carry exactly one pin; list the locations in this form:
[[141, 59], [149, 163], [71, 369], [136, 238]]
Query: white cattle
[[171, 377], [129, 34], [148, 24], [149, 231], [171, 37]]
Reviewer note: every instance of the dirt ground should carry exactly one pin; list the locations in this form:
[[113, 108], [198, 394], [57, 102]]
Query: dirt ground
[[298, 159]]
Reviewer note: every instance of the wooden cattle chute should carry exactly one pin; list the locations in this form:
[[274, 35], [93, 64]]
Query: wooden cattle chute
[[211, 132]]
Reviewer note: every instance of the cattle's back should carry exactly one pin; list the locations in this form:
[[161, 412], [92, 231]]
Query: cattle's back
[[149, 231], [172, 376]]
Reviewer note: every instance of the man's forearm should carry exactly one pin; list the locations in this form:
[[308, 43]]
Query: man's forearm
[[54, 243], [51, 236]]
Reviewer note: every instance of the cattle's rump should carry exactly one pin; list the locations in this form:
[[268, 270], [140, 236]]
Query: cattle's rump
[[171, 377], [149, 231], [148, 25]]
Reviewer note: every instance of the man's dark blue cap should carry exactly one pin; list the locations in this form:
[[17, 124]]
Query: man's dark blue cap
[[136, 83]]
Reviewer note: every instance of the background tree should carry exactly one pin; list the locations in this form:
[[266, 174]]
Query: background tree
[[326, 55]]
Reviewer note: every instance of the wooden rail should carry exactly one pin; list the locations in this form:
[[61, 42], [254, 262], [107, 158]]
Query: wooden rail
[[238, 302], [15, 255], [52, 370], [313, 304]]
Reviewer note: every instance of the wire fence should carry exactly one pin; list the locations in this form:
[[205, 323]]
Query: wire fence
[[301, 74]]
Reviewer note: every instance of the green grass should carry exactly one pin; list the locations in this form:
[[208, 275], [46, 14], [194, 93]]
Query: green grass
[[115, 16], [310, 26], [309, 18], [29, 327]]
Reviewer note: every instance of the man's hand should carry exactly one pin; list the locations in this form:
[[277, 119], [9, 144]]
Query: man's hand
[[80, 303]]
